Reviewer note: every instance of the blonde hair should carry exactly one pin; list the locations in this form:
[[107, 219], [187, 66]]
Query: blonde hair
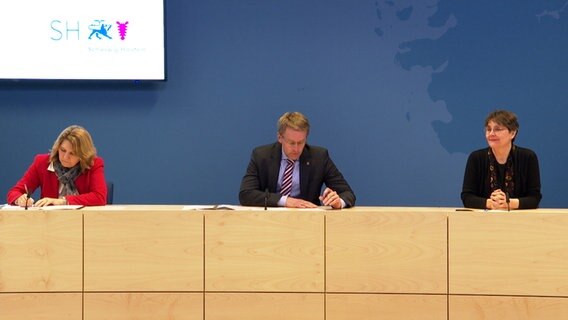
[[293, 120], [82, 143]]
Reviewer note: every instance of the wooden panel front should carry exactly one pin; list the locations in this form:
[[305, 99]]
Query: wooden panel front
[[262, 306], [509, 254], [385, 307], [148, 306], [41, 251], [261, 251], [143, 251], [507, 308], [41, 306], [392, 252]]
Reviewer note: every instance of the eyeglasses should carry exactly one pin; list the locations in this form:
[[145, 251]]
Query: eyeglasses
[[496, 130], [290, 142], [294, 143]]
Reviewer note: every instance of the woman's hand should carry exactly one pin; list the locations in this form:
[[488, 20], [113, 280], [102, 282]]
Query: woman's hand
[[21, 201], [50, 201], [497, 200]]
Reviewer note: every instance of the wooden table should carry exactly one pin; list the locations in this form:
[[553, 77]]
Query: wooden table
[[164, 262]]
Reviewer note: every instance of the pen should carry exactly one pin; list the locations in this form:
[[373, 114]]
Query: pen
[[27, 196]]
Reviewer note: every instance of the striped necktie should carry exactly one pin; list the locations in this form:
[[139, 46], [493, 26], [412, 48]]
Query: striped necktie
[[287, 178]]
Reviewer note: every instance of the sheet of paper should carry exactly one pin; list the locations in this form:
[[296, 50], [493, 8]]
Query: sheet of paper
[[46, 208], [212, 207], [245, 208]]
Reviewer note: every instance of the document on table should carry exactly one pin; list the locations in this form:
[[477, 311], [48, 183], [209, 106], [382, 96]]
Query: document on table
[[212, 207], [320, 208], [246, 208], [482, 210], [46, 208]]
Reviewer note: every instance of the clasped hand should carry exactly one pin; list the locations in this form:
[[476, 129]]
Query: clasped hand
[[497, 200]]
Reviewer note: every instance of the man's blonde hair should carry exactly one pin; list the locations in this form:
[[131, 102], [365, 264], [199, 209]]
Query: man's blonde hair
[[293, 120]]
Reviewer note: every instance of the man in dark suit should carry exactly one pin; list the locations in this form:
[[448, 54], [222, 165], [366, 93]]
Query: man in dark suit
[[291, 173]]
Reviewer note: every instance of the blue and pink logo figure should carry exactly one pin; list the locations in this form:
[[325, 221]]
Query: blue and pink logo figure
[[99, 29]]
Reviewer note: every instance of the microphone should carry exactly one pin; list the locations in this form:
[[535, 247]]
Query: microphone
[[265, 198], [508, 200]]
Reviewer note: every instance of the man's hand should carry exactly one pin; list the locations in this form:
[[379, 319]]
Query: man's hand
[[331, 198], [299, 203]]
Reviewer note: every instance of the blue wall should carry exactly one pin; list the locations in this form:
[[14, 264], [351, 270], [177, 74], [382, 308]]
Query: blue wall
[[398, 93]]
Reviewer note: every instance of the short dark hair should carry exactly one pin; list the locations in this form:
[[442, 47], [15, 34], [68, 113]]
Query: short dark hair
[[504, 118]]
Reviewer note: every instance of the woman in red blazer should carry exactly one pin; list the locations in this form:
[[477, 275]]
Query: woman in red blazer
[[71, 174]]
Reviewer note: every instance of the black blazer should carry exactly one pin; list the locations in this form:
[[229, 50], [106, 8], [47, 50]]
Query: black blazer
[[316, 169]]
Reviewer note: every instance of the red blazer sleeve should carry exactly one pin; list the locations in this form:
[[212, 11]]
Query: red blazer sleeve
[[33, 178]]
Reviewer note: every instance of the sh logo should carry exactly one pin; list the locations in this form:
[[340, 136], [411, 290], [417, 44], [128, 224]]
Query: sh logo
[[97, 29]]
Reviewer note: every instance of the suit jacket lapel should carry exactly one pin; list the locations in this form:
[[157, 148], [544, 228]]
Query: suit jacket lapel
[[305, 170], [274, 166]]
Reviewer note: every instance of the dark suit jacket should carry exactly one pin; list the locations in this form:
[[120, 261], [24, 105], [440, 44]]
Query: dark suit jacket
[[316, 169]]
